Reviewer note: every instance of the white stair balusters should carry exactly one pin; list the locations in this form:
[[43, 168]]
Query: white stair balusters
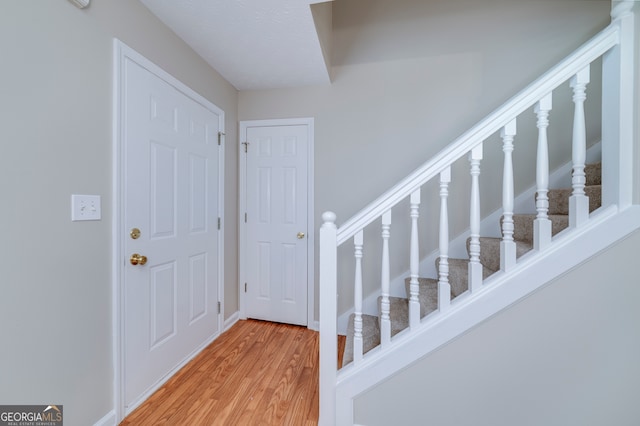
[[444, 288], [475, 267], [358, 242], [385, 306], [414, 262], [507, 245], [542, 224], [579, 202]]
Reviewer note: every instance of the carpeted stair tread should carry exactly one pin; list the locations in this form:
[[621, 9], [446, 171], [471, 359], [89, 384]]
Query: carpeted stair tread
[[459, 275], [593, 174], [559, 199], [523, 224], [370, 336], [428, 294], [490, 251], [399, 313]]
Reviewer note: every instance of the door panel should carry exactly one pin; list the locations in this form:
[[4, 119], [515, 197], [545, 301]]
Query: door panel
[[170, 186], [276, 179]]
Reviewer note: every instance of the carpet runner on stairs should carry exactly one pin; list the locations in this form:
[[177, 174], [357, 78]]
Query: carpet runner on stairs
[[489, 258]]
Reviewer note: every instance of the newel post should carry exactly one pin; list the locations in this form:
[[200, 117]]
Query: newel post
[[328, 319], [618, 76]]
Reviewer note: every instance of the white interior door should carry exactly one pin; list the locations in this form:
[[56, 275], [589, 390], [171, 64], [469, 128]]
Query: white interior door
[[275, 264], [170, 194]]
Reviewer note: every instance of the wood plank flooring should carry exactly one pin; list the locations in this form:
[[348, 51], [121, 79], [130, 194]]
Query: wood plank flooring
[[257, 373]]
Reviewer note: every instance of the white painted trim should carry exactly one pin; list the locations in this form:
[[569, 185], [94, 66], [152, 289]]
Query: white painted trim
[[116, 249], [221, 154], [108, 419], [570, 248], [231, 321], [618, 109], [120, 52], [242, 208]]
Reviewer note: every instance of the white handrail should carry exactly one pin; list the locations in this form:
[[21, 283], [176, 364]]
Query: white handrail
[[557, 75]]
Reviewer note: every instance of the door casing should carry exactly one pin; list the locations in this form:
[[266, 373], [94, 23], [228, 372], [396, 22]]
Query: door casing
[[242, 204], [122, 52]]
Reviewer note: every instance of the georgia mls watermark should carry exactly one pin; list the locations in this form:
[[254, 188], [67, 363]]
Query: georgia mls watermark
[[31, 415]]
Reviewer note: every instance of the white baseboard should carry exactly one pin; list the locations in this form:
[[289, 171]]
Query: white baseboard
[[109, 419], [229, 322]]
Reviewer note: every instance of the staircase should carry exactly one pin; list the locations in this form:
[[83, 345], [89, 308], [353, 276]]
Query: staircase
[[570, 226], [523, 237]]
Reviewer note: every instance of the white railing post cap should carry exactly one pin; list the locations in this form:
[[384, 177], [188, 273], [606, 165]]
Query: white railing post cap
[[620, 8], [329, 217]]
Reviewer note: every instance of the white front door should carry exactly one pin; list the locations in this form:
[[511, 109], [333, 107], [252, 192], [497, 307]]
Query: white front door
[[275, 262], [170, 193]]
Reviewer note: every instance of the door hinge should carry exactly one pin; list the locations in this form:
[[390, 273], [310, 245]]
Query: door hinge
[[219, 309], [245, 287], [219, 223], [220, 135], [246, 146]]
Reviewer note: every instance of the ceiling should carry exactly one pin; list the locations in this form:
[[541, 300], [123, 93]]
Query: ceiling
[[254, 44]]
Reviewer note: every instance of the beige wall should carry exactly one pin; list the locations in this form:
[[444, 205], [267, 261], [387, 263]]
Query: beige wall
[[566, 355], [637, 108], [55, 275], [409, 76]]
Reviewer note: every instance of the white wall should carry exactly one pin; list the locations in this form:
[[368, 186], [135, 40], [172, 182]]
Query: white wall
[[566, 355], [409, 76], [55, 275]]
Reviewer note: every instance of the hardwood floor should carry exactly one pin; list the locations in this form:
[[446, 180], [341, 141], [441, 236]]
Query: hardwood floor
[[257, 373]]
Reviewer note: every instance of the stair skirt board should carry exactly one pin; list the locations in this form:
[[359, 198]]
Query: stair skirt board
[[535, 270], [489, 227]]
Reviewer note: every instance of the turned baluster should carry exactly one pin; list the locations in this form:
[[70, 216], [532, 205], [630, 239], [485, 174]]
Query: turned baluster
[[475, 267], [542, 224], [507, 245], [444, 288], [579, 202], [358, 241], [385, 306], [414, 262]]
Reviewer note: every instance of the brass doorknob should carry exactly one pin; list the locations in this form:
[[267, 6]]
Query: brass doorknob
[[138, 259], [300, 235]]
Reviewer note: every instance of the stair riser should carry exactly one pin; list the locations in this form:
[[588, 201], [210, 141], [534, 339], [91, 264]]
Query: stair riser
[[559, 199]]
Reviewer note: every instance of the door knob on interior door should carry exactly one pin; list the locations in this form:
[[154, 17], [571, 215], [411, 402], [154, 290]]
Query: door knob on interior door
[[138, 259], [300, 235]]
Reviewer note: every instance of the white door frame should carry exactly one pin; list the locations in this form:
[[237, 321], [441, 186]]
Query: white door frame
[[242, 204], [121, 52]]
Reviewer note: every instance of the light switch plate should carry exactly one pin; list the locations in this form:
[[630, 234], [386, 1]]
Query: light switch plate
[[85, 207]]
